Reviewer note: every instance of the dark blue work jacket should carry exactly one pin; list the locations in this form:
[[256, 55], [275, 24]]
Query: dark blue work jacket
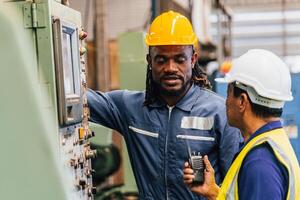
[[157, 136]]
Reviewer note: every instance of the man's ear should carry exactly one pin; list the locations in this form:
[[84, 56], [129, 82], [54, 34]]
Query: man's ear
[[243, 101], [194, 58]]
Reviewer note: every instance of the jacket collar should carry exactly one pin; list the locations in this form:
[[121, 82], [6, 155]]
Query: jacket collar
[[265, 128], [189, 100], [186, 103]]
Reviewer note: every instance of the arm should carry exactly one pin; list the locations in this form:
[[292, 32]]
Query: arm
[[106, 108], [229, 141], [209, 188]]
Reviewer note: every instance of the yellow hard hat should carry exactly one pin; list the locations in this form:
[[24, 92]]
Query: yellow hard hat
[[171, 28]]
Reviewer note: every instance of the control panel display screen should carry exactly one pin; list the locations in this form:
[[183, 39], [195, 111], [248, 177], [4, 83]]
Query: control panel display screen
[[71, 76], [68, 72]]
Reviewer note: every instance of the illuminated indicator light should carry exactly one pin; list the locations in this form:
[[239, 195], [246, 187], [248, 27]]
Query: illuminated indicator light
[[81, 133], [82, 35]]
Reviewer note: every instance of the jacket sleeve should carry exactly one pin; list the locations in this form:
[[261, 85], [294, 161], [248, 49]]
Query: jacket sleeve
[[105, 109], [229, 141]]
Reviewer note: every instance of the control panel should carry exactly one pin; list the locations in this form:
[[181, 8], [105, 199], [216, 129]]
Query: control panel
[[58, 52], [73, 112]]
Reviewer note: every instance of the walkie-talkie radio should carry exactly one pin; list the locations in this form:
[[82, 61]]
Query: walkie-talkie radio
[[196, 162]]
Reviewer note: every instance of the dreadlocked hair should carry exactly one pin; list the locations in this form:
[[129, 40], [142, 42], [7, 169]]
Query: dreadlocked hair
[[199, 78], [150, 96]]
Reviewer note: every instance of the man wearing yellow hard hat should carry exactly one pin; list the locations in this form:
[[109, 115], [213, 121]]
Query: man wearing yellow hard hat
[[174, 114], [266, 166]]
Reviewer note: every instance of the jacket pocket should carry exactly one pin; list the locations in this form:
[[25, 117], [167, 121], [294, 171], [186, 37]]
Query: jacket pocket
[[144, 149], [143, 132], [195, 137], [194, 141]]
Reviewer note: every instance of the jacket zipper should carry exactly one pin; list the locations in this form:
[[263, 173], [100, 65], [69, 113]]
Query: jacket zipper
[[166, 154]]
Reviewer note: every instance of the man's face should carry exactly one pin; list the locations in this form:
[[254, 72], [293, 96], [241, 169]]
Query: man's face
[[172, 68], [232, 107]]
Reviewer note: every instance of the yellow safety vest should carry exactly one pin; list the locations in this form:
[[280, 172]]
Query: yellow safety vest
[[283, 150]]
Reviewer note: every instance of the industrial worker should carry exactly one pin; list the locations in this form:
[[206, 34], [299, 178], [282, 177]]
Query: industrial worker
[[175, 111], [266, 166]]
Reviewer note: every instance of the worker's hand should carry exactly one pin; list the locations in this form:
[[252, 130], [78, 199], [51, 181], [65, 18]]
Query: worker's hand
[[209, 188]]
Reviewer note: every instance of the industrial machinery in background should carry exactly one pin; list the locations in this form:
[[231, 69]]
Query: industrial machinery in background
[[212, 22], [276, 29], [59, 66]]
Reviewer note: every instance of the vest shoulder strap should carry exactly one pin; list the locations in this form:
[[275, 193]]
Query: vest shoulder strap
[[282, 148]]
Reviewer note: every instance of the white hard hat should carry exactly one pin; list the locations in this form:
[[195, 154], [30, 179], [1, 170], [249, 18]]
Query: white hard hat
[[264, 76]]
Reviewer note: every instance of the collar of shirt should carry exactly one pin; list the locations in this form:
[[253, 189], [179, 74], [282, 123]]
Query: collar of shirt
[[186, 103], [267, 127]]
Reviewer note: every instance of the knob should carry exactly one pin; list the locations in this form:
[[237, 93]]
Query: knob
[[63, 141], [88, 173], [88, 144], [75, 142], [91, 191], [90, 134], [84, 84], [81, 183], [82, 50], [80, 162], [72, 162], [93, 133], [90, 154], [82, 35], [80, 142]]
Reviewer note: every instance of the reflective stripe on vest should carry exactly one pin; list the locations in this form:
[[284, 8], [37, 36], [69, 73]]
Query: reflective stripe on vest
[[283, 151]]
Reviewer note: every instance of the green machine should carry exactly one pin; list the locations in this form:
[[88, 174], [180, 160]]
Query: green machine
[[45, 144], [133, 67], [133, 62]]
